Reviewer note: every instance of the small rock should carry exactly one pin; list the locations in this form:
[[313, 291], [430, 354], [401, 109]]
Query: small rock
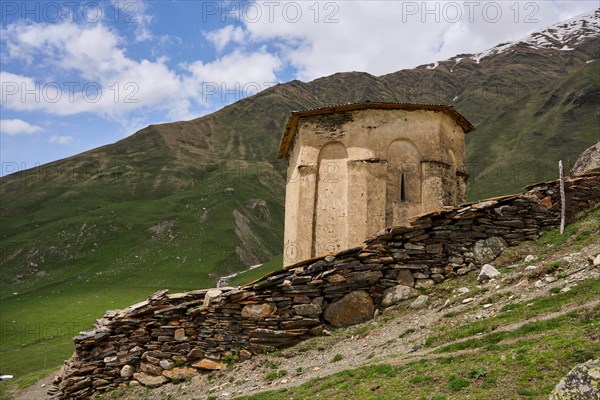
[[463, 290], [530, 258], [211, 296], [565, 289], [150, 369], [180, 335], [539, 284], [180, 374], [424, 284], [488, 272], [462, 271], [597, 260], [487, 250], [329, 258], [487, 305], [419, 302], [258, 311], [335, 278], [209, 365], [468, 300], [127, 371], [245, 355], [149, 380], [406, 278], [308, 310], [396, 294], [531, 267], [166, 364]]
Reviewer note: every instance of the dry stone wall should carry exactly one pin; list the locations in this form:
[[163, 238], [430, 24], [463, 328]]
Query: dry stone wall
[[170, 337]]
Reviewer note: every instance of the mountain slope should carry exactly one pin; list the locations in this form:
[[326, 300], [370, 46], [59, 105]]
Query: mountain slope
[[106, 227]]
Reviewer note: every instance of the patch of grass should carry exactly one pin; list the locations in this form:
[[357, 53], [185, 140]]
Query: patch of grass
[[273, 375], [553, 267], [420, 379], [581, 355], [477, 373], [407, 332], [336, 358], [272, 365], [450, 314], [231, 358], [525, 392], [456, 383]]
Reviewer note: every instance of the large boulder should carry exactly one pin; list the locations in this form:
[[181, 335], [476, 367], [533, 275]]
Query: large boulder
[[353, 308], [487, 250], [396, 294], [588, 160], [581, 383]]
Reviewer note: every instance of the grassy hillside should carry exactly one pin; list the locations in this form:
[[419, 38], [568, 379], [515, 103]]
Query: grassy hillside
[[86, 254]]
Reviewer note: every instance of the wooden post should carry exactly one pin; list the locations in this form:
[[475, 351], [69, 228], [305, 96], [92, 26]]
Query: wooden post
[[562, 197]]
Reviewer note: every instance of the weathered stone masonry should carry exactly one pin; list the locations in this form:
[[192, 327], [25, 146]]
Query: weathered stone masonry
[[171, 337]]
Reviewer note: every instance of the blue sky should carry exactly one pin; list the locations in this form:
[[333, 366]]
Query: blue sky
[[76, 75]]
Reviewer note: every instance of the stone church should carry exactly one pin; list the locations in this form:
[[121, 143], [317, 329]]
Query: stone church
[[357, 168]]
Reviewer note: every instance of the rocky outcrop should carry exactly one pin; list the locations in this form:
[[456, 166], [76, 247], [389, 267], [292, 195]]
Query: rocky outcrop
[[199, 331], [587, 161], [581, 383]]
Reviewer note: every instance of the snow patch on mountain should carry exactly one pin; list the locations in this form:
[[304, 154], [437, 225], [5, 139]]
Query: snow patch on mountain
[[561, 36]]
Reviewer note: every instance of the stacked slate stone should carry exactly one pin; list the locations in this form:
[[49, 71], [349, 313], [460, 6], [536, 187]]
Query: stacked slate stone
[[169, 338]]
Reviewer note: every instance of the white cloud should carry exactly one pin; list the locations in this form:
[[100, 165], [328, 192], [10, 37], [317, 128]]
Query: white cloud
[[238, 67], [108, 82], [18, 127], [136, 12], [63, 140], [381, 37], [220, 38]]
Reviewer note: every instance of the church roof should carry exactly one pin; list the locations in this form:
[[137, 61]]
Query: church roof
[[292, 124]]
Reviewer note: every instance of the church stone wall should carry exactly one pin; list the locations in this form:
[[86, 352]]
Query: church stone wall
[[352, 173]]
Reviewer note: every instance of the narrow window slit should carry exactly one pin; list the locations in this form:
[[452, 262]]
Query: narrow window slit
[[402, 187]]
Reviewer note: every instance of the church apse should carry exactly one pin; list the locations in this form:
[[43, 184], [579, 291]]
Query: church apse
[[357, 168]]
